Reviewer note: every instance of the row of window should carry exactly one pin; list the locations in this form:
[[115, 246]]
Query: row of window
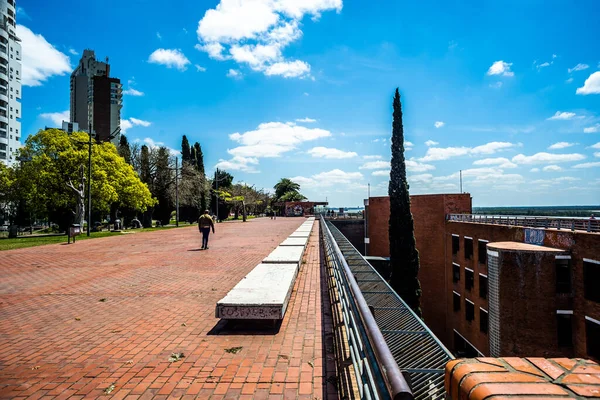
[[564, 331], [468, 244], [591, 277], [470, 312], [470, 280]]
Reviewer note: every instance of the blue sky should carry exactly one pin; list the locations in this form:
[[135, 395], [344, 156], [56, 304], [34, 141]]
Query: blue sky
[[508, 92]]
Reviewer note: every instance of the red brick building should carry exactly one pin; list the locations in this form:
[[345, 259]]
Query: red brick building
[[499, 290]]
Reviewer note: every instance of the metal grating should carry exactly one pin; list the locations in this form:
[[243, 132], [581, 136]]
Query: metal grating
[[414, 347]]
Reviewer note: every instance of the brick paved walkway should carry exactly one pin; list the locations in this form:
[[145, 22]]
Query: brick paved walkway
[[76, 319]]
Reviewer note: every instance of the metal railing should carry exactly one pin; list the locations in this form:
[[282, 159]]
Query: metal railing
[[377, 373], [417, 352], [573, 224]]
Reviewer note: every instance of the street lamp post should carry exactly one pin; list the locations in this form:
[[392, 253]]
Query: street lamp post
[[89, 183], [176, 192]]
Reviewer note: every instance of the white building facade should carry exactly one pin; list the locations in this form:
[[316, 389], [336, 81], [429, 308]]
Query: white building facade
[[10, 83]]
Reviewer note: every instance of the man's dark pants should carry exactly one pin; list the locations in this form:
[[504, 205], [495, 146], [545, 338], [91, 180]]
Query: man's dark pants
[[205, 233]]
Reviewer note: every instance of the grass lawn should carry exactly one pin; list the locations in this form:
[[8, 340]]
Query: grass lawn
[[22, 242]]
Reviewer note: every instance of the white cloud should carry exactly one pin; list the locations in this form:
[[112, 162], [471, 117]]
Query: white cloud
[[545, 158], [543, 65], [500, 68], [385, 172], [591, 85], [73, 51], [199, 68], [57, 118], [40, 60], [330, 153], [597, 154], [288, 69], [496, 85], [272, 139], [501, 162], [578, 67], [131, 122], [570, 80], [561, 145], [372, 157], [408, 145], [243, 164], [562, 116], [306, 120], [133, 92], [430, 143], [234, 73], [588, 165], [534, 170], [375, 165], [155, 145], [414, 166], [158, 36], [336, 177], [595, 146], [421, 178], [439, 124], [170, 58], [306, 94], [592, 129], [439, 153], [552, 168], [256, 32]]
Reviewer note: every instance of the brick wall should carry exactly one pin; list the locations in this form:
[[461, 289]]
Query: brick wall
[[429, 215], [515, 378]]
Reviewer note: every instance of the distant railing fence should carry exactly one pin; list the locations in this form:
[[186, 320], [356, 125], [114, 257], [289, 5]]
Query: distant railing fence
[[573, 224]]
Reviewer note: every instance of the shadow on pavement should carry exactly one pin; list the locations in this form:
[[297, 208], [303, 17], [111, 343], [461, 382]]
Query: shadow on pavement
[[245, 327]]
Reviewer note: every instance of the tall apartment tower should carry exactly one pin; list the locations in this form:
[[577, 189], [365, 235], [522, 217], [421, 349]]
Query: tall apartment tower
[[96, 98], [10, 83]]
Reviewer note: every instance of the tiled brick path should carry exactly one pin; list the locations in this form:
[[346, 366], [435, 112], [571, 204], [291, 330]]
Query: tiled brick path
[[76, 319], [518, 378]]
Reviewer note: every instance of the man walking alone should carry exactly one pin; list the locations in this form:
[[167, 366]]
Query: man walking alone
[[205, 223]]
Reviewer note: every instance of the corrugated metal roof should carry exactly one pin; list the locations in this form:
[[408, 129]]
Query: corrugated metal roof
[[414, 347]]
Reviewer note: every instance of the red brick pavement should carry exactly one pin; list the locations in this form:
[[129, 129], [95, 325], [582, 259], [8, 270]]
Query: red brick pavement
[[76, 319]]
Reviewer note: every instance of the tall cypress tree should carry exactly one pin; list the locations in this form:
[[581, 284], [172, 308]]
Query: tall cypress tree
[[185, 150], [404, 257], [199, 158], [124, 149]]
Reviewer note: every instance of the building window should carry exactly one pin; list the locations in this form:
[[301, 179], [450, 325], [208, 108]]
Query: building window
[[564, 328], [468, 248], [563, 274], [482, 251], [469, 310], [469, 279], [464, 349], [483, 286], [592, 334], [456, 297], [591, 279], [483, 320], [455, 272], [455, 244]]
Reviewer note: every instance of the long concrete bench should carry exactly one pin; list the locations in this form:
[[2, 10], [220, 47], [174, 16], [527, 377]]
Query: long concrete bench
[[300, 235], [263, 294], [285, 255], [295, 241]]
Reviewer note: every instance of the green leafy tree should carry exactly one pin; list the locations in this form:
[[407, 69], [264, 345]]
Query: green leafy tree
[[199, 156], [162, 186], [52, 158], [404, 257], [7, 188], [186, 156], [222, 181]]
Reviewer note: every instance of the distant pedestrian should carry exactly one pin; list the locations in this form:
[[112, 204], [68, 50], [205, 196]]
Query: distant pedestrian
[[205, 224]]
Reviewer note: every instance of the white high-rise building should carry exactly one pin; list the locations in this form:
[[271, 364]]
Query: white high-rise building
[[10, 83]]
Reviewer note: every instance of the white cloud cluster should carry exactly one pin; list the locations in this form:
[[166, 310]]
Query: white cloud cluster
[[591, 85], [256, 32], [199, 68], [131, 122], [234, 73], [430, 143], [439, 124], [40, 60], [335, 177], [170, 58], [546, 158], [592, 129], [501, 162], [561, 145], [151, 143], [587, 165], [500, 68], [440, 153], [330, 153], [578, 67], [562, 116], [132, 92], [306, 120], [244, 164], [375, 165], [372, 157], [57, 117], [552, 168]]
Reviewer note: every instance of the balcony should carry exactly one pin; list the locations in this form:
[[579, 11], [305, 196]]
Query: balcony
[[3, 95]]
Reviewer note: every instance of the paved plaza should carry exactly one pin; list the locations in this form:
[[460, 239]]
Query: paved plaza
[[103, 317]]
